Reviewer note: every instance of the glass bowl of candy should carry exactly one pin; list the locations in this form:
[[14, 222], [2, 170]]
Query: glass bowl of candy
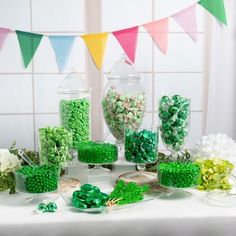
[[124, 100], [37, 181], [178, 176], [174, 114], [141, 147]]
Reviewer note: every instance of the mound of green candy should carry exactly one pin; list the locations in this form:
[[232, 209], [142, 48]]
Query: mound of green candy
[[89, 196], [37, 179], [141, 147], [75, 117], [174, 113], [123, 110], [215, 174], [97, 153], [178, 175], [55, 143], [128, 193]]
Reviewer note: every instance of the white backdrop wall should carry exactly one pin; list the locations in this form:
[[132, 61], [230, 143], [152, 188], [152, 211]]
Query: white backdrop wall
[[28, 98]]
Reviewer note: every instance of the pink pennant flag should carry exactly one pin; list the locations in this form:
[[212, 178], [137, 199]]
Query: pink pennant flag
[[128, 41], [159, 33], [188, 21], [3, 34]]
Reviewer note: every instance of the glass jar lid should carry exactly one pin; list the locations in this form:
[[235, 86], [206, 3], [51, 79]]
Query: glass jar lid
[[123, 69], [73, 83]]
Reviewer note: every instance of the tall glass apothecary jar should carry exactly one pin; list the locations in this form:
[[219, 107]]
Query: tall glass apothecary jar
[[75, 107], [124, 100]]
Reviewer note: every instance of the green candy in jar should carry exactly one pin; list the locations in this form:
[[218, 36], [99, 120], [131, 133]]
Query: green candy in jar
[[55, 144], [174, 114], [141, 146], [123, 110], [37, 179], [75, 117]]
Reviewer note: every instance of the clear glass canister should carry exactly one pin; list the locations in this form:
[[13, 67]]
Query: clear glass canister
[[124, 99], [75, 107]]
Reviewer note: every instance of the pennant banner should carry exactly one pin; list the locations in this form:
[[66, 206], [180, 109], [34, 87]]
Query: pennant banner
[[216, 8], [62, 46], [159, 33], [3, 34], [29, 43], [96, 44], [188, 21], [128, 41]]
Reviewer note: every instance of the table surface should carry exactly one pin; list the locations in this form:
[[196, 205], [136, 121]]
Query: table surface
[[187, 216]]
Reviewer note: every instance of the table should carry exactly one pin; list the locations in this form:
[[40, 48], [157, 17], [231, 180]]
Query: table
[[182, 217]]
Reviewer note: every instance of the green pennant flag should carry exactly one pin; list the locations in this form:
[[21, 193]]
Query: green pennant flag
[[29, 43], [216, 8]]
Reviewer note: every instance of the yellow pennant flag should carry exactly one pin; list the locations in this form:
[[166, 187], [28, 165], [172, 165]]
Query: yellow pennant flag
[[96, 44]]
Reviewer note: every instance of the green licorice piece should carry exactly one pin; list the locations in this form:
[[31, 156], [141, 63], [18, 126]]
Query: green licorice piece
[[75, 117], [141, 147], [37, 179], [97, 153], [89, 196], [55, 143], [174, 115], [215, 174], [128, 193], [178, 175], [123, 110]]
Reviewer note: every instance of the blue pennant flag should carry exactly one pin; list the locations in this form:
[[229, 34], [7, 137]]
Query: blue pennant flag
[[62, 47]]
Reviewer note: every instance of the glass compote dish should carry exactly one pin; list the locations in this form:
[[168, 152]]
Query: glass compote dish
[[174, 114], [99, 157], [123, 100], [141, 147]]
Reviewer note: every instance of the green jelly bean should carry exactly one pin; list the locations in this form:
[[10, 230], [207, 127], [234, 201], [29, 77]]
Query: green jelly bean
[[75, 117], [97, 153], [123, 110]]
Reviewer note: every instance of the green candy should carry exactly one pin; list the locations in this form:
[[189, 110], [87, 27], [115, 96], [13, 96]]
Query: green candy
[[178, 175], [123, 110], [55, 144], [52, 207], [89, 196], [37, 179], [42, 207], [97, 153], [174, 116], [141, 147], [128, 193], [75, 117]]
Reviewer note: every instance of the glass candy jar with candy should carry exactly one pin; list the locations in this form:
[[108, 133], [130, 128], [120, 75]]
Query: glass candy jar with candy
[[75, 108], [124, 99], [174, 114]]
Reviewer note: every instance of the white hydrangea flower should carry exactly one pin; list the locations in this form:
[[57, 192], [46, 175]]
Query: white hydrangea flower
[[8, 162], [215, 146]]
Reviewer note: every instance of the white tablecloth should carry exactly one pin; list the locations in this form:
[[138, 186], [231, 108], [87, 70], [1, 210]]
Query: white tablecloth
[[182, 217]]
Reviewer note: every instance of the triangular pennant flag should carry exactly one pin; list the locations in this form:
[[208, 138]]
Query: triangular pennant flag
[[29, 43], [96, 44], [216, 8], [188, 21], [3, 34], [62, 47], [159, 33], [128, 41]]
